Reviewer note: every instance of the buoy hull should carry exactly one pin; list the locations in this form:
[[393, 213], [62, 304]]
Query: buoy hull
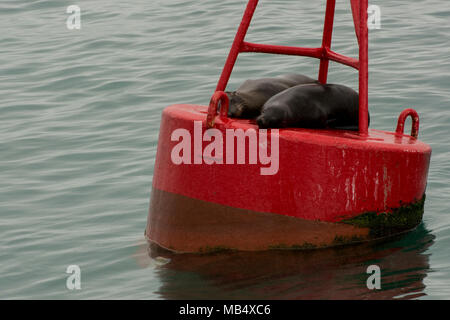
[[331, 188]]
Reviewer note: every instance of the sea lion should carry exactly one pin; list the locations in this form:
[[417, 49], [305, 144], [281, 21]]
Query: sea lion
[[312, 106], [246, 102]]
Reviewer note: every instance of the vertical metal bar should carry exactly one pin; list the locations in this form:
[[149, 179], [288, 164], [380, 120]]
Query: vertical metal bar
[[326, 40], [355, 13], [363, 68], [235, 48]]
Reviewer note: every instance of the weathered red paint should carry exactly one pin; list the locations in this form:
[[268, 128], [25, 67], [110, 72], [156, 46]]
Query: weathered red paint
[[323, 174]]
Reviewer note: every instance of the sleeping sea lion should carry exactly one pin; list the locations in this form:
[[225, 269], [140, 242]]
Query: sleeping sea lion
[[247, 101], [312, 106]]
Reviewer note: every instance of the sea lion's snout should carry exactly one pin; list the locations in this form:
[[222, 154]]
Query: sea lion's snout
[[234, 110], [236, 107]]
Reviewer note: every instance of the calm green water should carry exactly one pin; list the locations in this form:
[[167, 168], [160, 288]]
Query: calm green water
[[79, 120]]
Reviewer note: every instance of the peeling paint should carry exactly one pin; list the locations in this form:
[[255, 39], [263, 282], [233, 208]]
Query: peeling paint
[[377, 183], [354, 188], [347, 193]]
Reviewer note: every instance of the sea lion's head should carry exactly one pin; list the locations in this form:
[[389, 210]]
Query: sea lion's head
[[237, 105]]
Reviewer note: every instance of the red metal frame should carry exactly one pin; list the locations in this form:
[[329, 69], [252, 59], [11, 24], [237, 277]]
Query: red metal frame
[[324, 53]]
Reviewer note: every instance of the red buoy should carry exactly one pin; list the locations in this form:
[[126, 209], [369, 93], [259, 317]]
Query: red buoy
[[220, 183]]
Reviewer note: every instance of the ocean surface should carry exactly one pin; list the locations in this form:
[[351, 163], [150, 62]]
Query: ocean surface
[[79, 120]]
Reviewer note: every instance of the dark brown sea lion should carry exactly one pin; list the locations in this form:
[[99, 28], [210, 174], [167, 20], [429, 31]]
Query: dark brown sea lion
[[247, 101], [312, 106]]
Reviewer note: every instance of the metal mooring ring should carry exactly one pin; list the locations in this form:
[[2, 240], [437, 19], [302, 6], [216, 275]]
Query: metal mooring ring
[[415, 122], [218, 96]]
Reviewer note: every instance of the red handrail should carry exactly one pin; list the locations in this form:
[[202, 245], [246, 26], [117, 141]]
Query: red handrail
[[324, 53]]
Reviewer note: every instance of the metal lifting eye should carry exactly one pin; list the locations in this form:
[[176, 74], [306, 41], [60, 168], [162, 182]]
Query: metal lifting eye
[[415, 122], [218, 96]]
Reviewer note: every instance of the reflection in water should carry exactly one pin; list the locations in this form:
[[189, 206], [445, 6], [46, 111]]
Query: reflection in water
[[335, 273]]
